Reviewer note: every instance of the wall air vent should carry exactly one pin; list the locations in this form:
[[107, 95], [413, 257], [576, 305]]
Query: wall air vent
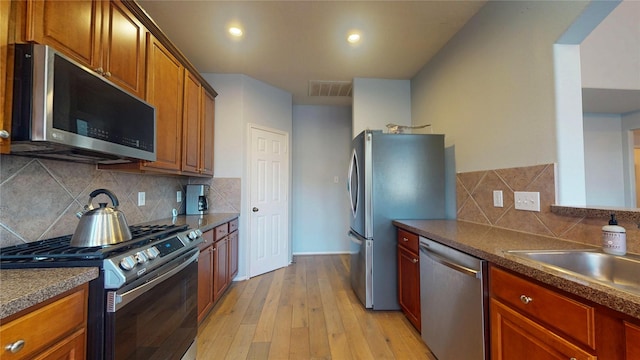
[[330, 88]]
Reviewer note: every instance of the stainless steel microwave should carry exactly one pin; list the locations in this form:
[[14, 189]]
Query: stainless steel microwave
[[63, 110]]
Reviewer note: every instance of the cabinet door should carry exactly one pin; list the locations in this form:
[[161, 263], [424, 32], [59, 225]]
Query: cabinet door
[[5, 109], [632, 337], [409, 285], [164, 91], [70, 348], [207, 134], [513, 336], [123, 47], [220, 274], [205, 282], [191, 124], [71, 27], [233, 255]]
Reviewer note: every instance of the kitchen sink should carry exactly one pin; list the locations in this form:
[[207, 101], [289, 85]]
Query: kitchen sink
[[622, 272]]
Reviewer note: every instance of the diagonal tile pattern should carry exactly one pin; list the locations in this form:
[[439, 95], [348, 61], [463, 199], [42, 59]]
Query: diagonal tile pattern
[[39, 198], [475, 204]]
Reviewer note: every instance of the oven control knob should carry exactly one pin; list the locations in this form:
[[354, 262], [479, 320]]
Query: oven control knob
[[192, 235], [141, 257], [127, 263], [153, 252], [198, 232]]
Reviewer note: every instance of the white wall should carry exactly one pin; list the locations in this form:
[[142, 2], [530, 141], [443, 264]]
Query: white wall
[[610, 55], [243, 100], [603, 152], [491, 88], [630, 122], [378, 102], [321, 150]]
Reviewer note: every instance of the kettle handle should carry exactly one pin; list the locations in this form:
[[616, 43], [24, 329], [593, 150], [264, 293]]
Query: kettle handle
[[112, 196]]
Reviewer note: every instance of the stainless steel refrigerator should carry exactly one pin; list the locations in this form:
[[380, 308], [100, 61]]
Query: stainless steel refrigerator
[[391, 176]]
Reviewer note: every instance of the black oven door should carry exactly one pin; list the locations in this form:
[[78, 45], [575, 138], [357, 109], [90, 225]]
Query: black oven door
[[155, 318]]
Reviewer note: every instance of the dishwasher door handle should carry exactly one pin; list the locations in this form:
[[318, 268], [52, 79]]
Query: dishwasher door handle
[[446, 262]]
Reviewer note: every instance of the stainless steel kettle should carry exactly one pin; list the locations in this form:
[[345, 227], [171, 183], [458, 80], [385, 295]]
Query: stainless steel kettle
[[101, 226]]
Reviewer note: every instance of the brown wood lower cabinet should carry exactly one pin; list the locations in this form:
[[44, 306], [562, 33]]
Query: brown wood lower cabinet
[[217, 265], [532, 320], [409, 277], [55, 329]]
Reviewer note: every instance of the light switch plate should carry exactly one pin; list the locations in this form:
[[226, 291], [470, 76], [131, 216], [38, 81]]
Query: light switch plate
[[178, 196], [141, 198], [497, 198], [527, 200]]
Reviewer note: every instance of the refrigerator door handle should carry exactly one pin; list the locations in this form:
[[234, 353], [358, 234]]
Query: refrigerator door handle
[[354, 237]]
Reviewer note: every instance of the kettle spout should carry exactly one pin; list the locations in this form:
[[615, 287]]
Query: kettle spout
[[87, 207]]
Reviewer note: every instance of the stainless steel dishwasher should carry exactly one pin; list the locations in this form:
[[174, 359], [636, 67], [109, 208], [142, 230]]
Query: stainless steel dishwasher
[[453, 288]]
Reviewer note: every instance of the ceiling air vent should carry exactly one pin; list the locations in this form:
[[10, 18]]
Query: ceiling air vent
[[329, 88]]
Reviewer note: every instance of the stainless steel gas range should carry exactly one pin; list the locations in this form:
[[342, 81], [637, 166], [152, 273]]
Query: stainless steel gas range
[[143, 305]]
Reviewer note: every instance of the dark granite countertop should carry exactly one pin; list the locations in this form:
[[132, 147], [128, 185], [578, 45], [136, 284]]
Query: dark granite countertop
[[492, 244], [22, 288]]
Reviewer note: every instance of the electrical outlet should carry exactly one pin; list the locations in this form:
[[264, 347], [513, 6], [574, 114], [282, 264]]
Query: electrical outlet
[[497, 198], [141, 198], [526, 200], [178, 196]]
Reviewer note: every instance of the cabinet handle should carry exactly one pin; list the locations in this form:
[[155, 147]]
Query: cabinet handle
[[4, 134], [405, 239], [107, 74], [525, 299], [15, 347], [214, 249], [414, 260], [100, 71]]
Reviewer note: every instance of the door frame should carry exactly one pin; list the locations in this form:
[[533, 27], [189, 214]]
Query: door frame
[[246, 212]]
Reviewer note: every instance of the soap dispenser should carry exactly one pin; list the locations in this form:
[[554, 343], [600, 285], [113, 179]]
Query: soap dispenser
[[614, 238]]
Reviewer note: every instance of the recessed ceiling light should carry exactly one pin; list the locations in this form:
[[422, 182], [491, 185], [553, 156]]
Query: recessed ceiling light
[[235, 31], [353, 38]]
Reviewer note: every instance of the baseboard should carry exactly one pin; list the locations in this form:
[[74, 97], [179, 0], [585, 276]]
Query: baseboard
[[323, 253]]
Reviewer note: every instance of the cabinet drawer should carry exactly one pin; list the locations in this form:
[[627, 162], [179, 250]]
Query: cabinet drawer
[[42, 327], [408, 240], [233, 225], [221, 231], [574, 319], [207, 240]]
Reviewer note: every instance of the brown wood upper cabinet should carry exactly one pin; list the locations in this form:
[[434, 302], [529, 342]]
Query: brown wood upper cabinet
[[198, 123], [165, 76], [102, 35]]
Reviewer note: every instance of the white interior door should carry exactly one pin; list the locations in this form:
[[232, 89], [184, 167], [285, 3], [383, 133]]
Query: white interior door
[[269, 207]]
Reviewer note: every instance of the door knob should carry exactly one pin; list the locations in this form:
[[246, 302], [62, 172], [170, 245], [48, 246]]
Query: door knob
[[4, 134], [255, 209]]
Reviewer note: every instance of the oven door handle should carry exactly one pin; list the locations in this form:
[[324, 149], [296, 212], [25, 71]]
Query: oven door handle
[[116, 301]]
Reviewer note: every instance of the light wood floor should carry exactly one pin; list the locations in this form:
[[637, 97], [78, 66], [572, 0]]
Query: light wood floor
[[305, 311]]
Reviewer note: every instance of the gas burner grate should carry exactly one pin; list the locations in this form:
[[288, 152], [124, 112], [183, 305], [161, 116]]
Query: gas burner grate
[[58, 252]]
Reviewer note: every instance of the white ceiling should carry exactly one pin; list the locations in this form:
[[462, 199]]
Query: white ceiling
[[289, 43]]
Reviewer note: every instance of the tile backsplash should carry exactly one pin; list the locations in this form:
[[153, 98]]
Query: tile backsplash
[[39, 198], [474, 191]]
